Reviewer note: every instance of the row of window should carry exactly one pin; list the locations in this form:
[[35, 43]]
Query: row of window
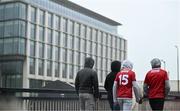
[[12, 46], [12, 11], [13, 28]]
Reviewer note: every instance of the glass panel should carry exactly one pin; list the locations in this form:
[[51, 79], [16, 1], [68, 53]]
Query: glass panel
[[8, 46], [50, 20], [70, 55], [16, 46], [77, 43], [57, 38], [83, 31], [56, 54], [71, 74], [49, 52], [8, 29], [70, 40], [64, 24], [49, 36], [33, 14], [22, 46], [77, 29], [22, 11], [89, 32], [1, 29], [22, 28], [57, 23], [41, 50], [71, 27], [41, 67], [9, 11], [41, 17], [41, 33], [32, 48], [64, 42], [32, 66], [33, 30], [64, 71], [49, 68], [56, 69], [1, 12], [1, 46]]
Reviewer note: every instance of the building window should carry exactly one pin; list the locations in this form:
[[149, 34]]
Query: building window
[[1, 12], [8, 46], [77, 33], [41, 33], [49, 36], [64, 71], [41, 67], [64, 55], [77, 58], [89, 32], [1, 29], [56, 53], [33, 31], [9, 11], [32, 66], [49, 52], [33, 14], [70, 44], [71, 27], [50, 22], [57, 22], [32, 48], [57, 38], [83, 31], [8, 30], [94, 35], [49, 68], [77, 43], [56, 69], [41, 17], [71, 74], [70, 55], [1, 46], [22, 28], [83, 45], [22, 46], [64, 25], [64, 42], [41, 50], [22, 11]]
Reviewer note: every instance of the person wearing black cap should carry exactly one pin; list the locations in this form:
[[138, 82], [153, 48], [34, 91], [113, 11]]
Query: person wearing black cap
[[108, 85]]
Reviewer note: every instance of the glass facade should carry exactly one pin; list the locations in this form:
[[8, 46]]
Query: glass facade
[[56, 43]]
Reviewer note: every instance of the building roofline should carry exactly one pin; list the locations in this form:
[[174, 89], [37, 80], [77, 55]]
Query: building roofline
[[86, 11]]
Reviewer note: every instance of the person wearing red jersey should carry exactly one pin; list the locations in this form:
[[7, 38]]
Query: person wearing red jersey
[[156, 85], [124, 83]]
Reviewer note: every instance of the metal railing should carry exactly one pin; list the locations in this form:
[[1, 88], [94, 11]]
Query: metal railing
[[44, 100]]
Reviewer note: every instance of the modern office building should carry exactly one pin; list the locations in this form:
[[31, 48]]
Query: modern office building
[[48, 40]]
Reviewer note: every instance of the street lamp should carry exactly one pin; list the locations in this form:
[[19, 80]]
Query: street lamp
[[164, 62], [177, 65]]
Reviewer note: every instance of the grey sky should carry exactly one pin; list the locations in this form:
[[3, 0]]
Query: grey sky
[[152, 28]]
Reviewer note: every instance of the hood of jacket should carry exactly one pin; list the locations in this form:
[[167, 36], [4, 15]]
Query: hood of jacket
[[115, 66], [127, 64], [89, 63]]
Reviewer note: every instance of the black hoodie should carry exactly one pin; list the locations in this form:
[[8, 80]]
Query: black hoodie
[[86, 80], [115, 68]]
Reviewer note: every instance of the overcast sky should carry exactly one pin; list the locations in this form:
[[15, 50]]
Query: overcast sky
[[151, 27]]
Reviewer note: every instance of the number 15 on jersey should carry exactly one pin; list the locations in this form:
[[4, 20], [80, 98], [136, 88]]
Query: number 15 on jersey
[[123, 79]]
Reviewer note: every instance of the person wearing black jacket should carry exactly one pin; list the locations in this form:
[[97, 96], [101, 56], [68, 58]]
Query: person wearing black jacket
[[86, 85], [108, 85]]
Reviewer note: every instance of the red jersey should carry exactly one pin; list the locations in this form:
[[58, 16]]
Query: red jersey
[[155, 79], [124, 83]]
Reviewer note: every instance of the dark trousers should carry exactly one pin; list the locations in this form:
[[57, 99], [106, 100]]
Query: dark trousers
[[157, 104]]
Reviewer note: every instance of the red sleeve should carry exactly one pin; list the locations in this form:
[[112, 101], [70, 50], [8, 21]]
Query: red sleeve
[[133, 76]]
